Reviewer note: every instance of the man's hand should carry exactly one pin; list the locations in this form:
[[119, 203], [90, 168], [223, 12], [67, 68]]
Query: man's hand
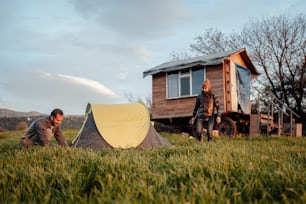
[[191, 121], [218, 120]]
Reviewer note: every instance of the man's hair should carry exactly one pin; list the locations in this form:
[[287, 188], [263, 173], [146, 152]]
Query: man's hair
[[56, 112], [206, 83]]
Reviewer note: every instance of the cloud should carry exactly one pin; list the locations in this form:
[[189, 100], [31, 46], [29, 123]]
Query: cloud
[[232, 16], [94, 85], [134, 18], [42, 90]]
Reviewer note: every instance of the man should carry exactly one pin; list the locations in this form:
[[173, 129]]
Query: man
[[204, 111], [42, 130]]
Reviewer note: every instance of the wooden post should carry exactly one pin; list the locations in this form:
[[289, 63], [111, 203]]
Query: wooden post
[[298, 129]]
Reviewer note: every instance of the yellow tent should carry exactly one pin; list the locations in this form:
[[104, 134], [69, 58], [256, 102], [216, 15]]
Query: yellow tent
[[118, 126]]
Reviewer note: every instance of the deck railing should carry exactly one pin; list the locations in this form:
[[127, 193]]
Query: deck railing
[[282, 109]]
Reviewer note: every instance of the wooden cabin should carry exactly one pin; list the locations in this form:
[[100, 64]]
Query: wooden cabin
[[176, 84]]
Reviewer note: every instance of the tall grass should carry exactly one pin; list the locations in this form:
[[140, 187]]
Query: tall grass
[[237, 170]]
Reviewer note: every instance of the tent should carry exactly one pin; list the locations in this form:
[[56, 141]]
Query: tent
[[118, 126]]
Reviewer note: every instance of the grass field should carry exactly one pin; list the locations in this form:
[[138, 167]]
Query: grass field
[[237, 170]]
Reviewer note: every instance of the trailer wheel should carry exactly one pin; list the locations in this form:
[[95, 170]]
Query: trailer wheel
[[227, 127]]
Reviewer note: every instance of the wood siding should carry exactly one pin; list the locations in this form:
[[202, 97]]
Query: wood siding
[[237, 59], [215, 75], [168, 108]]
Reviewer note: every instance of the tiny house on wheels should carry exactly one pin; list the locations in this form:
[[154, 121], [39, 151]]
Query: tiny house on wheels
[[176, 84]]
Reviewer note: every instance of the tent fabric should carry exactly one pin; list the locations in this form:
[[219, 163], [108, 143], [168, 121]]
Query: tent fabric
[[153, 140], [118, 126]]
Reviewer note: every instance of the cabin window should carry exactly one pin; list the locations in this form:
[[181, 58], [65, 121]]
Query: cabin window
[[197, 80], [185, 83], [173, 85]]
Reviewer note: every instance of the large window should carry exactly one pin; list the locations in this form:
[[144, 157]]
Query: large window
[[185, 83]]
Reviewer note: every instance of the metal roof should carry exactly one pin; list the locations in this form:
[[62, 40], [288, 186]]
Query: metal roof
[[213, 59]]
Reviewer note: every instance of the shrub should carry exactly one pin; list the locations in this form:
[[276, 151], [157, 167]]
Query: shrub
[[21, 126]]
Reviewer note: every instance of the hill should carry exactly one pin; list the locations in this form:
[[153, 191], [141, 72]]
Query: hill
[[9, 119], [7, 113]]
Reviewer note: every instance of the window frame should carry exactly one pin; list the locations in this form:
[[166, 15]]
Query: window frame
[[184, 73]]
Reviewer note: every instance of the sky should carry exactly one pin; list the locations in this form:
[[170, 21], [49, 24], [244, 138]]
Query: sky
[[67, 53]]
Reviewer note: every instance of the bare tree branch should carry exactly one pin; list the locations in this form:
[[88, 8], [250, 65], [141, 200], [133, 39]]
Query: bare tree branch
[[277, 45]]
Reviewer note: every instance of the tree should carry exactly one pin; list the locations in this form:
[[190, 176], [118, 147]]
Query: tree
[[210, 42], [21, 126], [147, 101], [213, 41], [277, 45], [175, 56]]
